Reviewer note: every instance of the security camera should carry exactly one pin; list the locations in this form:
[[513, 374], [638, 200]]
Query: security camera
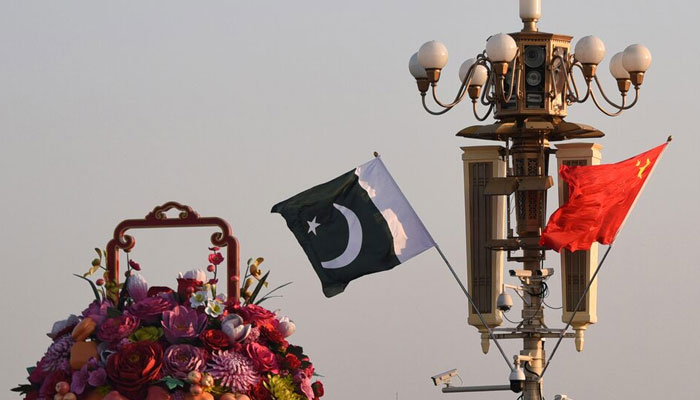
[[517, 379], [504, 302], [444, 377]]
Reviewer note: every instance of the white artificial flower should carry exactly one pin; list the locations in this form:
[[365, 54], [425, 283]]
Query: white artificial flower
[[199, 298], [221, 297], [286, 326], [214, 308], [234, 328], [196, 274]]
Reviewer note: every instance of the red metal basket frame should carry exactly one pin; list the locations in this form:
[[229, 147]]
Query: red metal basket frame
[[187, 218]]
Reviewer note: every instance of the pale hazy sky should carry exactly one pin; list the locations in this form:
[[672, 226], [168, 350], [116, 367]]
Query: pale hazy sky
[[110, 108]]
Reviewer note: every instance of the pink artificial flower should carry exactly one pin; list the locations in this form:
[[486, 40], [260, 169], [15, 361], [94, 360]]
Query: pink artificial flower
[[113, 330], [150, 309], [183, 323], [304, 384]]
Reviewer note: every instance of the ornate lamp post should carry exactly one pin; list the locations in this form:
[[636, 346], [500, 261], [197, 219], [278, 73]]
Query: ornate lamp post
[[527, 79]]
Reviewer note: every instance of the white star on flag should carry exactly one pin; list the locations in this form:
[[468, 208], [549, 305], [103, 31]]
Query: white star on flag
[[312, 226]]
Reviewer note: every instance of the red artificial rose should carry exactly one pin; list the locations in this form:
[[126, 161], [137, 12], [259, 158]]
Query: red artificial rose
[[253, 314], [216, 258], [263, 359], [291, 362], [134, 366], [214, 339], [318, 388], [273, 335]]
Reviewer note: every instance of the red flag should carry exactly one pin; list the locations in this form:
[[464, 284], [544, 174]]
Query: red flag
[[600, 197]]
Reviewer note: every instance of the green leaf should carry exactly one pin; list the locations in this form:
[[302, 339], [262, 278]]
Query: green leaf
[[30, 370], [92, 284], [23, 389], [258, 288], [265, 298], [172, 383]]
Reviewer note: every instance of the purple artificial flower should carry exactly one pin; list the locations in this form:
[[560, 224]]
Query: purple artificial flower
[[149, 309], [234, 370], [58, 354], [97, 377], [183, 323], [92, 373], [181, 359], [79, 380], [97, 311]]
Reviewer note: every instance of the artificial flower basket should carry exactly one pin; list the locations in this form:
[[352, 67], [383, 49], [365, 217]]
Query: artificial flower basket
[[141, 342]]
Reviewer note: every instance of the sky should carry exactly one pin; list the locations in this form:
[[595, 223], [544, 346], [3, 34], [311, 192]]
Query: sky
[[109, 108]]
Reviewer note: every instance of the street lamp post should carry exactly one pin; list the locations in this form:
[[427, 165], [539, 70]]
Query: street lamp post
[[527, 80]]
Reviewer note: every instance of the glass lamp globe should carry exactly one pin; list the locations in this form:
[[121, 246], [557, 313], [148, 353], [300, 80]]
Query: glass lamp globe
[[415, 69], [636, 58], [589, 50], [616, 68], [432, 55], [479, 75], [501, 48], [530, 9]]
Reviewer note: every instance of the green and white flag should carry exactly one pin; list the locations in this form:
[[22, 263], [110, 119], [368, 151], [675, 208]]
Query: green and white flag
[[357, 224]]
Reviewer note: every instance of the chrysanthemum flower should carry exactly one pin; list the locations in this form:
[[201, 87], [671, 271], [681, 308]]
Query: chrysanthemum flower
[[233, 370]]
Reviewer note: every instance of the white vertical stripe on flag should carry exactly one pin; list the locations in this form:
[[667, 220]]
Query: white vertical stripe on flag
[[409, 234]]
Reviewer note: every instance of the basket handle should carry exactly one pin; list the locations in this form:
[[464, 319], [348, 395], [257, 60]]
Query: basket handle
[[187, 218]]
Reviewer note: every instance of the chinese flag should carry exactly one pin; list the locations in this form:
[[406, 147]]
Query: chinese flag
[[600, 197]]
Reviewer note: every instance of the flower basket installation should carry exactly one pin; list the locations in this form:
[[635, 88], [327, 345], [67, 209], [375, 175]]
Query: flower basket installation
[[142, 342]]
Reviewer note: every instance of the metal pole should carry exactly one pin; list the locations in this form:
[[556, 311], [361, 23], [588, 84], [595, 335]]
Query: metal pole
[[471, 301], [583, 295], [486, 388]]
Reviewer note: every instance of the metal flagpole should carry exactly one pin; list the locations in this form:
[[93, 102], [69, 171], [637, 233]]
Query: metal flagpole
[[471, 301], [580, 300]]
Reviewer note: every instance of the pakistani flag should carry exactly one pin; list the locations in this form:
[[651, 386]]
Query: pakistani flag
[[357, 224]]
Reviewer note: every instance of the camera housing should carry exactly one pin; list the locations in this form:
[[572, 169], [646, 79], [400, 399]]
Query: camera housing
[[517, 379], [504, 302], [444, 377]]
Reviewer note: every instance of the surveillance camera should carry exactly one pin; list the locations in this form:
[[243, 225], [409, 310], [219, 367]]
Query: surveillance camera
[[444, 377], [517, 379], [504, 302]]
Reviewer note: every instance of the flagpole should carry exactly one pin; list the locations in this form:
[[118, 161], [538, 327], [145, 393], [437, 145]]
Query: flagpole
[[580, 300], [471, 301]]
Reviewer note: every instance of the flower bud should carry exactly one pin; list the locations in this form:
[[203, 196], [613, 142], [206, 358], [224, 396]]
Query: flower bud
[[194, 377], [62, 387]]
